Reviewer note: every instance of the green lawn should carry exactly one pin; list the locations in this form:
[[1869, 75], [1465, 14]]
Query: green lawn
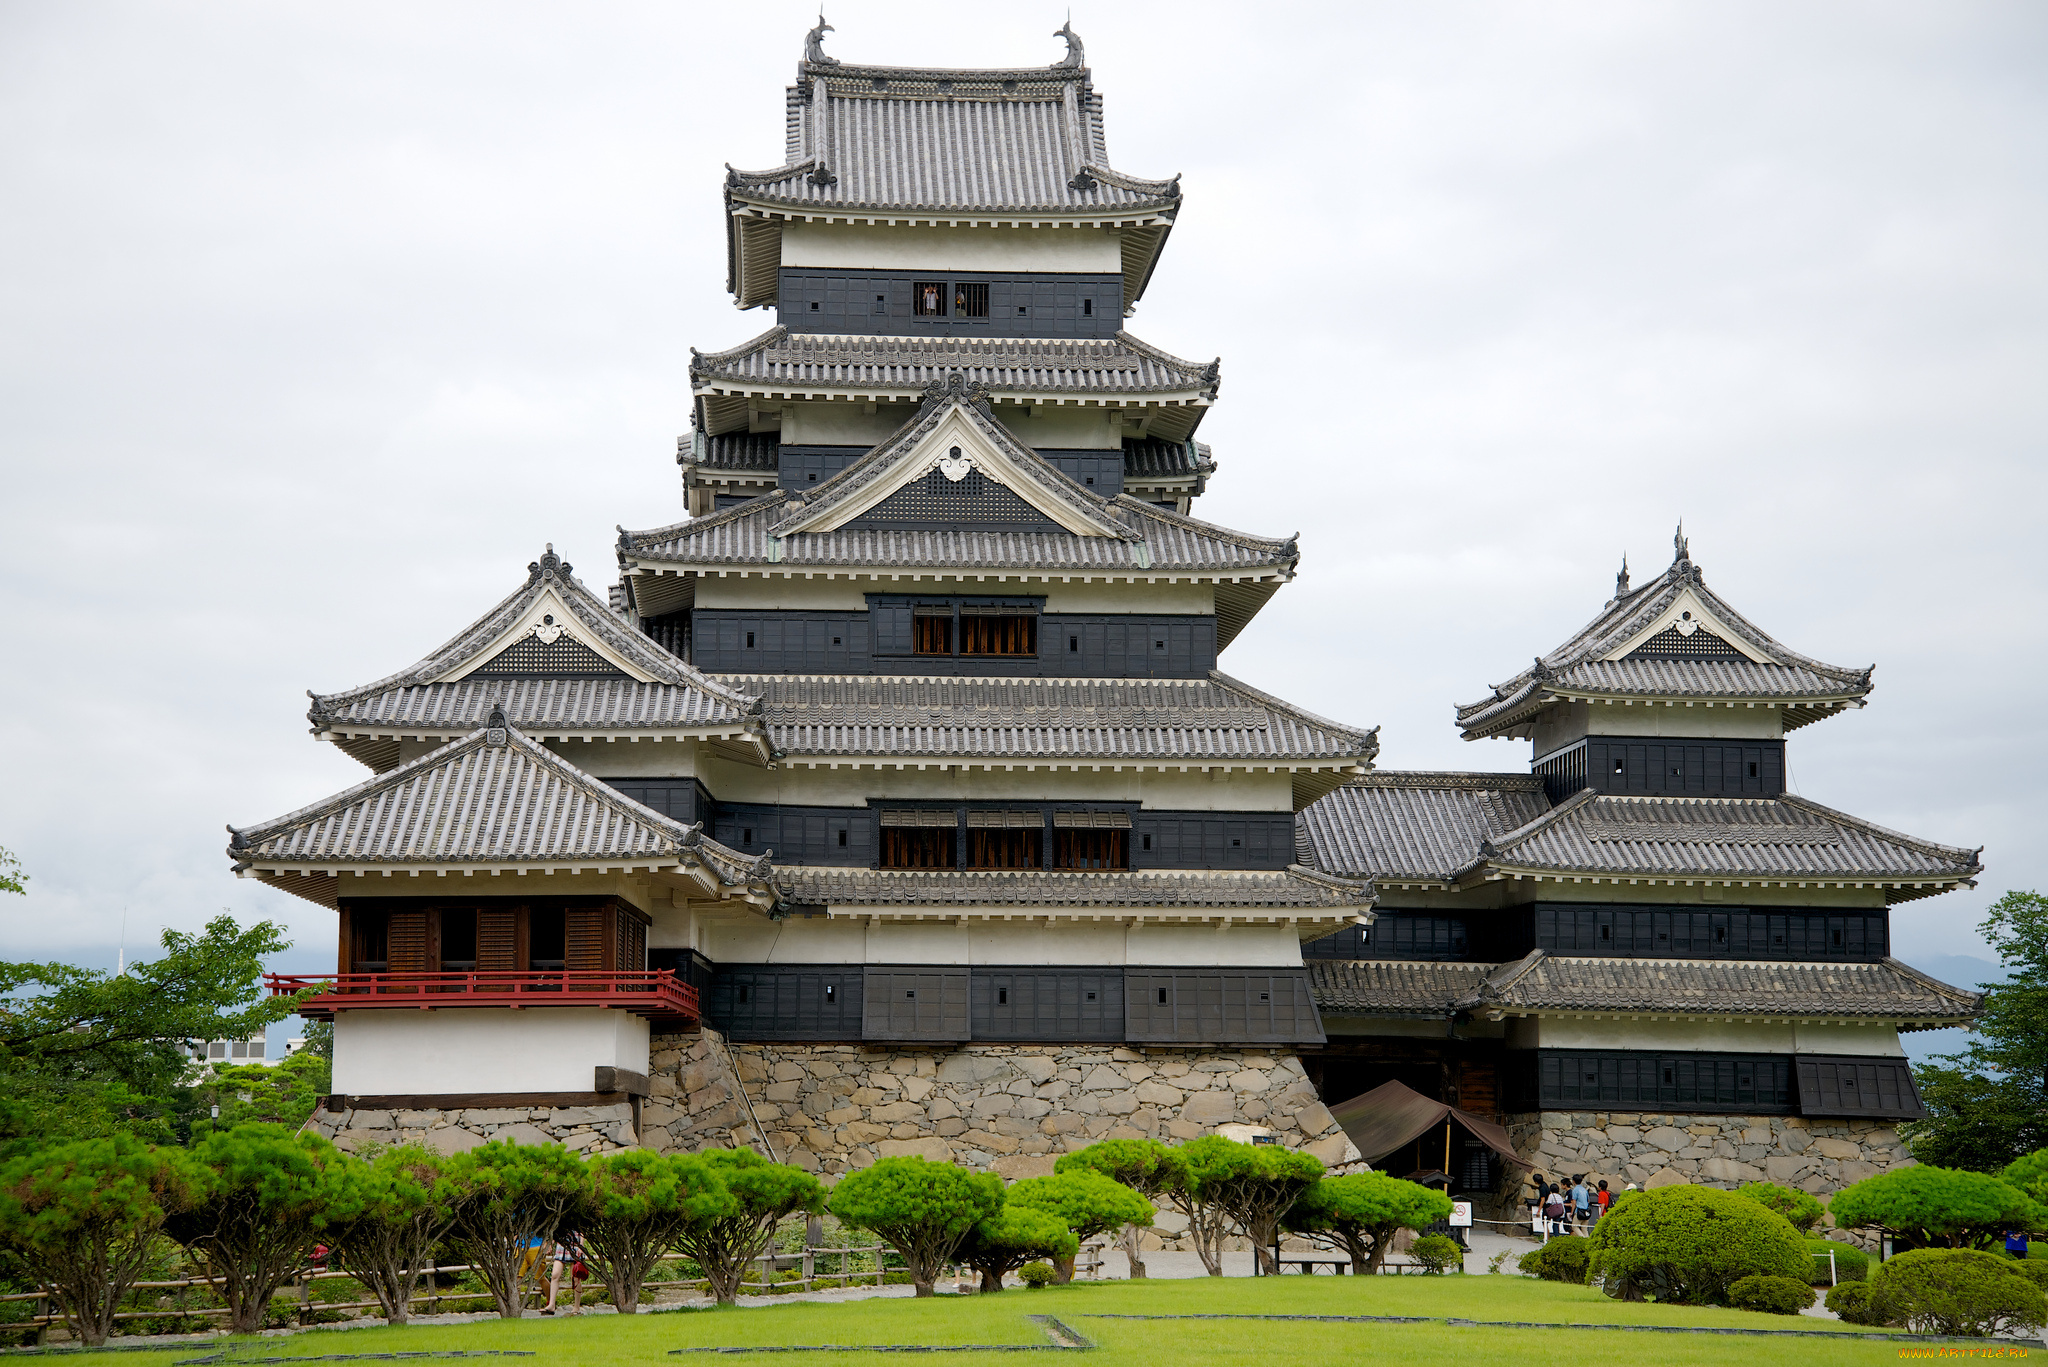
[[603, 1341]]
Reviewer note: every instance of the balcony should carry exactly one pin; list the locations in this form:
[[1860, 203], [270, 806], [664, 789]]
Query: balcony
[[656, 995]]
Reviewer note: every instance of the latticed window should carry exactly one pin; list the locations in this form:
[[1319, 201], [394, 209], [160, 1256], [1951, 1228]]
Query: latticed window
[[1091, 840], [1005, 840], [998, 631], [917, 840], [928, 298], [932, 631], [970, 299]]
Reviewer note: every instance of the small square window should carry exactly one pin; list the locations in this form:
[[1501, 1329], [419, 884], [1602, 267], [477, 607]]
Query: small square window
[[1091, 996], [910, 994], [1265, 996], [1022, 311], [1667, 1076], [831, 992], [1162, 996], [1752, 768], [812, 477], [1159, 645], [881, 303], [1617, 766], [842, 840], [1607, 932], [746, 835], [1236, 842], [750, 640], [1087, 308], [1147, 842], [1073, 645], [1091, 479], [1002, 996], [814, 306]]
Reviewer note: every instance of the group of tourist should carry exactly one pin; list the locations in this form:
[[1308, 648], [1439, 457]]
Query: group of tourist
[[1569, 1210], [565, 1252]]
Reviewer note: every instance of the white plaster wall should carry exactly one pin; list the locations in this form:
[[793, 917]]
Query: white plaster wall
[[850, 595], [850, 247], [645, 758], [483, 1049], [842, 424], [851, 787], [849, 939], [1564, 723], [634, 890], [1064, 427], [1875, 1040]]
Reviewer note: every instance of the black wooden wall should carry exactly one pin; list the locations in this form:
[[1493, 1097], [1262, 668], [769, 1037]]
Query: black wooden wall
[[804, 467], [1020, 304], [1396, 935], [1099, 472], [1070, 645], [1711, 933], [679, 799], [798, 835], [1693, 768], [1726, 1083], [1019, 1004], [1832, 1084], [1212, 840]]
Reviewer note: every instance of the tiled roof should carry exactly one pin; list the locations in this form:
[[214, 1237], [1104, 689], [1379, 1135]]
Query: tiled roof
[[789, 364], [1704, 666], [1783, 836], [492, 798], [1213, 720], [1276, 890], [1392, 987], [1151, 459], [1887, 989], [737, 452], [1160, 542], [673, 696], [1395, 825], [1147, 459]]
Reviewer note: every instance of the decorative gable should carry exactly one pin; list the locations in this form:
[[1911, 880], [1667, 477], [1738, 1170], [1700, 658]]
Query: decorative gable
[[548, 640], [970, 501], [1687, 628]]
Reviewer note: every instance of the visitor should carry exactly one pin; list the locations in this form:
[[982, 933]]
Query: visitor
[[530, 1249], [1582, 1204], [1602, 1199], [569, 1254], [2016, 1242], [1553, 1211]]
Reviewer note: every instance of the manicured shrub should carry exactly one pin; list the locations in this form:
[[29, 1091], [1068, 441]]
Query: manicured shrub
[[1801, 1208], [1438, 1254], [1012, 1237], [725, 1242], [1037, 1276], [924, 1210], [1253, 1184], [1363, 1212], [2030, 1175], [385, 1218], [1851, 1264], [1085, 1202], [1852, 1304], [266, 1194], [84, 1219], [1689, 1244], [1146, 1166], [1936, 1207], [1956, 1291], [509, 1198], [1562, 1259], [2034, 1270], [1770, 1295], [635, 1207]]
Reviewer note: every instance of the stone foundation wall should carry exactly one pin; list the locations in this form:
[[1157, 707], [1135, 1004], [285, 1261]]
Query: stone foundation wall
[[587, 1130], [1818, 1156]]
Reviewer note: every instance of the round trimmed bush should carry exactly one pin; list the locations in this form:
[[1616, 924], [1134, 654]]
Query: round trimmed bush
[[1852, 1305], [1688, 1245], [1036, 1275], [1438, 1254], [1802, 1209], [1956, 1291], [2034, 1270], [1561, 1260], [1852, 1264], [1770, 1295]]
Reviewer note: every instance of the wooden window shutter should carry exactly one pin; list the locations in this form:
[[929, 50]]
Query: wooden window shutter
[[497, 940], [632, 943], [407, 945], [585, 947]]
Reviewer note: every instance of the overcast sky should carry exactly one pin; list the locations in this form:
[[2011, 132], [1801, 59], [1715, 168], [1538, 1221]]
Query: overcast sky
[[320, 320]]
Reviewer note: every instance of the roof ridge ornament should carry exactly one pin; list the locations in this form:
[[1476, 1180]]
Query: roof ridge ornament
[[1077, 56], [1621, 579], [496, 727], [1680, 545], [814, 44], [549, 566]]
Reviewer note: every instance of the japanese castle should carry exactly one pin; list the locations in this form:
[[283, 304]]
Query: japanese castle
[[893, 800]]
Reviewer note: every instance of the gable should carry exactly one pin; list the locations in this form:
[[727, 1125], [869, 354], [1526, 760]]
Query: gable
[[972, 502], [565, 655], [1687, 629], [1673, 644], [548, 640]]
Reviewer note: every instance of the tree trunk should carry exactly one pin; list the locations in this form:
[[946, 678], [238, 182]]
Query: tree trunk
[[1263, 1231], [924, 1289], [1063, 1269], [1134, 1250], [990, 1282]]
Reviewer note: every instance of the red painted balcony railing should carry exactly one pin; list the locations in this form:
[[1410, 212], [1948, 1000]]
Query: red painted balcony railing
[[658, 995]]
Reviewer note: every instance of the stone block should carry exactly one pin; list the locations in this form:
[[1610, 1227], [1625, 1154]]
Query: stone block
[[1664, 1177], [1031, 1107], [1332, 1149], [780, 1091], [1015, 1167], [1158, 1094], [786, 1070], [1837, 1148], [994, 1143], [419, 1120], [1730, 1171], [1787, 1167], [1667, 1137], [905, 1130], [1104, 1079], [1209, 1108], [524, 1133], [867, 1096], [1063, 1122], [1250, 1080], [967, 1067], [937, 1150], [1315, 1120], [1170, 1222], [917, 1088], [941, 1108], [998, 1104], [1855, 1171], [1123, 1103], [898, 1110], [381, 1120], [864, 1132], [950, 1126], [843, 1115], [1216, 1065]]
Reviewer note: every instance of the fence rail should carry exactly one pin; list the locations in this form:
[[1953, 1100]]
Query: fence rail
[[656, 993]]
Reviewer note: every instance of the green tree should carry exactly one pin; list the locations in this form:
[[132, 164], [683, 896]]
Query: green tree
[[1936, 1207], [724, 1243], [1687, 1245], [1989, 1104], [265, 1196], [1012, 1237], [283, 1093], [1085, 1202], [2030, 1176], [11, 876], [1146, 1166], [637, 1206], [1956, 1291], [1253, 1184], [1802, 1209], [510, 1200], [920, 1208], [83, 1052], [386, 1216], [84, 1217], [1363, 1212]]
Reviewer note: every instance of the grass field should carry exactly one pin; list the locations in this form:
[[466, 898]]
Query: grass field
[[604, 1341]]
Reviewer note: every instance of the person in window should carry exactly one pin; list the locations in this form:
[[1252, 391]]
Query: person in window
[[931, 299]]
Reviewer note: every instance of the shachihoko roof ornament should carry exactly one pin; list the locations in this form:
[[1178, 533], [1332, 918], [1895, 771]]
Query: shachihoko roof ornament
[[1672, 640]]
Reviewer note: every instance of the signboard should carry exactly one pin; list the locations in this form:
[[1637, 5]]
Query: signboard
[[1461, 1214]]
